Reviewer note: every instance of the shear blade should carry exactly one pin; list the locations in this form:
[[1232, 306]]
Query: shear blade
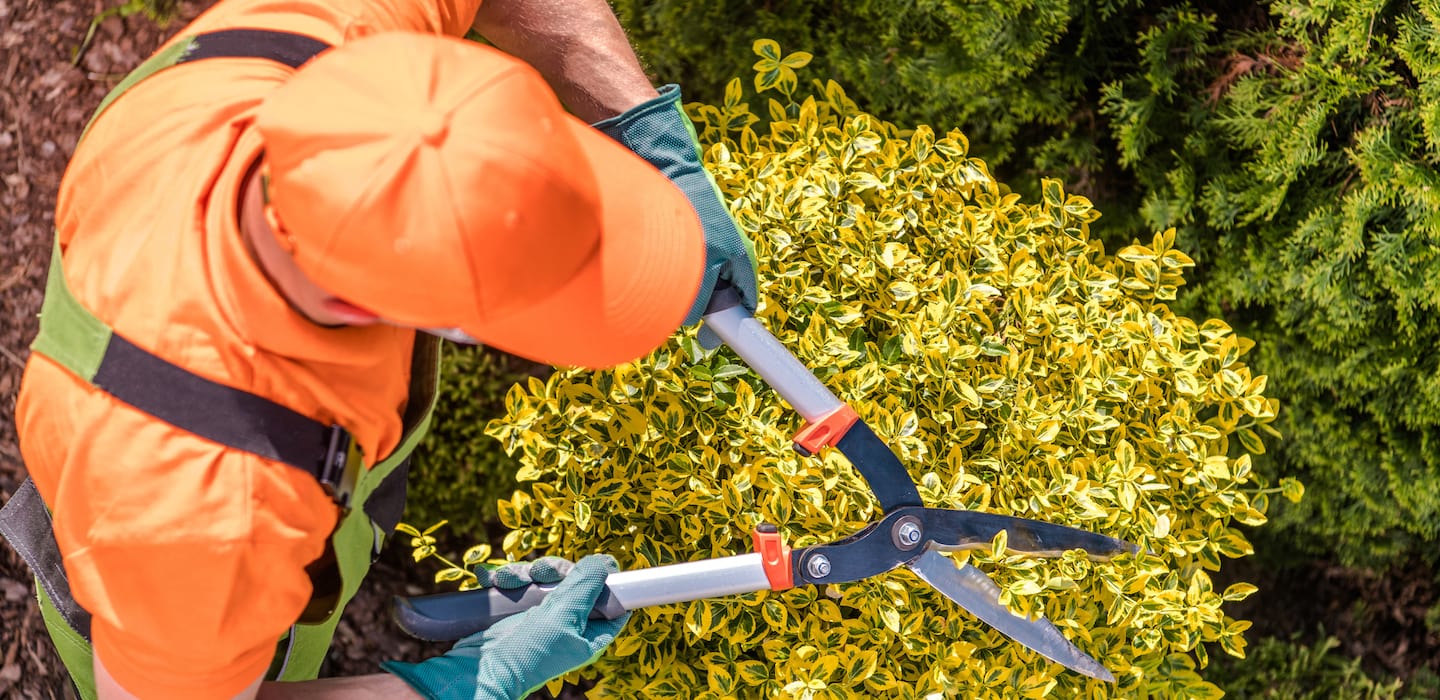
[[950, 530], [971, 589]]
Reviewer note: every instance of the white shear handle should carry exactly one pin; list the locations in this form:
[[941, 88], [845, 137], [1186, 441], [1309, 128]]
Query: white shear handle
[[765, 354]]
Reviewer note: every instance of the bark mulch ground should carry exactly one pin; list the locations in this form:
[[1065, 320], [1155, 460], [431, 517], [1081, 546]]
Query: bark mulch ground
[[47, 98]]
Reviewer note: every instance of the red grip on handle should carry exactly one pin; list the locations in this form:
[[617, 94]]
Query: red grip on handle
[[776, 558], [827, 431]]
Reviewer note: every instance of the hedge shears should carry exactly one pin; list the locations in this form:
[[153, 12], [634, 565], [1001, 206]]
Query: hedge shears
[[909, 534]]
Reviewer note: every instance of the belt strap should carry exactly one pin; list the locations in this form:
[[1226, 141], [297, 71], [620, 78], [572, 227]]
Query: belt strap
[[25, 523], [282, 47], [223, 414]]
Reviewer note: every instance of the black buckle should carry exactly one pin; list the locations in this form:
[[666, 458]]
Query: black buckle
[[340, 466]]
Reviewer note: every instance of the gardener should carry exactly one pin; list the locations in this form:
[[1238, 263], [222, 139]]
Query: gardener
[[228, 378]]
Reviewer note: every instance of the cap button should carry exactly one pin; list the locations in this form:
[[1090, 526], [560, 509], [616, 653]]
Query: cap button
[[433, 127]]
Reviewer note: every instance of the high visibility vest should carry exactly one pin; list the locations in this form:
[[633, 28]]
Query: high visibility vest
[[371, 499]]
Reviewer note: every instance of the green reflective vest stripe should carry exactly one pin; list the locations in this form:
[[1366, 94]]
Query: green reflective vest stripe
[[74, 338]]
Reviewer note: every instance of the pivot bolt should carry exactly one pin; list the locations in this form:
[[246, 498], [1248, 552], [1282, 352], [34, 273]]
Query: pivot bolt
[[818, 566], [908, 533]]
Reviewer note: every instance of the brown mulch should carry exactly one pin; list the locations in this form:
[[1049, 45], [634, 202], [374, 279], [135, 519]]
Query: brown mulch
[[1390, 620], [42, 108]]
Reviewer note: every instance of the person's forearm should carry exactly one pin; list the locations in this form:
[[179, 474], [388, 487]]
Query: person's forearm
[[380, 686], [578, 46]]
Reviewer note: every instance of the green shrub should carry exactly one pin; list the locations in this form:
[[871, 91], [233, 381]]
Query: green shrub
[[1020, 77], [1015, 366], [160, 12], [1303, 164], [1288, 670], [459, 473]]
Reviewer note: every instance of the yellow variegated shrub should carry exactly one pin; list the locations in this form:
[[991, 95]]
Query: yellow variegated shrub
[[1014, 365]]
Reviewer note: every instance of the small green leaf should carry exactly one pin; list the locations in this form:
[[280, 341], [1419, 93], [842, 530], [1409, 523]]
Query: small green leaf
[[1025, 586], [1292, 489], [1251, 442], [1239, 591], [767, 48], [734, 92], [998, 544], [451, 574], [730, 371], [476, 554], [799, 59], [752, 672]]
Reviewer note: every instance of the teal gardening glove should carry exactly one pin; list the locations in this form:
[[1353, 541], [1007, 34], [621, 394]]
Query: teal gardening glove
[[659, 131], [521, 653], [523, 573]]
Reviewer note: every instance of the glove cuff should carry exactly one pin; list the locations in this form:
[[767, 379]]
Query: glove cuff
[[667, 102], [659, 131], [438, 678]]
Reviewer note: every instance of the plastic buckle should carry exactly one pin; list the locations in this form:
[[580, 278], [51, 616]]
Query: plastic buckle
[[340, 467]]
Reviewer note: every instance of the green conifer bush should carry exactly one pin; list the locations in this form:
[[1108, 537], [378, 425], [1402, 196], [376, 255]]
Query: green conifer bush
[[1289, 670], [1302, 165], [1020, 77]]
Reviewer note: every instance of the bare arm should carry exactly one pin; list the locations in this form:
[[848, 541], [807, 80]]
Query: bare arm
[[379, 686], [578, 46]]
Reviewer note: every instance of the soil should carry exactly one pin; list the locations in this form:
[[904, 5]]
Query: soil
[[48, 96], [1390, 620]]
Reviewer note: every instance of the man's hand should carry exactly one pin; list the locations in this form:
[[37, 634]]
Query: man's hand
[[523, 573], [660, 132], [521, 653]]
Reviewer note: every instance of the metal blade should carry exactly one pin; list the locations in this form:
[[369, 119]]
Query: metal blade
[[971, 589], [951, 530]]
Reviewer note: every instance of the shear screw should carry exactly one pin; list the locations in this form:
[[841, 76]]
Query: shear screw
[[818, 566], [907, 533]]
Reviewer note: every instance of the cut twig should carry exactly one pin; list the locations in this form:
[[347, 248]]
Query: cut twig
[[10, 355]]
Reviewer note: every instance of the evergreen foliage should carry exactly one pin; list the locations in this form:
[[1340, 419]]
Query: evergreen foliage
[[1305, 177], [1017, 76], [1278, 669]]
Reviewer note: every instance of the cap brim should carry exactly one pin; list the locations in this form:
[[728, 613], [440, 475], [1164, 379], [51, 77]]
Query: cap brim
[[635, 292]]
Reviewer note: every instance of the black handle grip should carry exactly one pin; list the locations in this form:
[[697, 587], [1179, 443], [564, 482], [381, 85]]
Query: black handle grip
[[722, 297], [446, 617]]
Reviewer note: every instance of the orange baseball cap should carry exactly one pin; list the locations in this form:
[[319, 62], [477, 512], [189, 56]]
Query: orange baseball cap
[[439, 183]]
